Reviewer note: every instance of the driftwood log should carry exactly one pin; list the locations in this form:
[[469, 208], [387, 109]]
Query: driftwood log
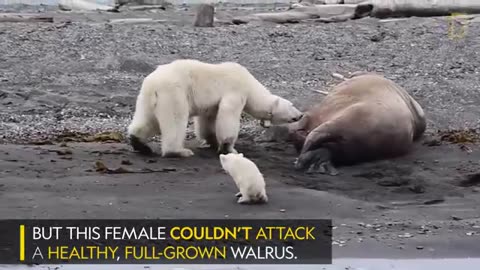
[[135, 21], [144, 4], [24, 17], [82, 5], [326, 13], [329, 2], [205, 15], [147, 7], [421, 8]]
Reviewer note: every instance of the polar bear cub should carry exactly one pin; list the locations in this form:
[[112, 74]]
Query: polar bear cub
[[214, 94], [247, 177]]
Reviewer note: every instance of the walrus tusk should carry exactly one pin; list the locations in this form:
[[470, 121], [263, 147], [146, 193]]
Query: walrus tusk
[[321, 92], [338, 76]]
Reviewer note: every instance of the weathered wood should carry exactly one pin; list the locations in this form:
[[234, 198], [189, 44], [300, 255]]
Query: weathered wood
[[353, 1], [422, 8], [82, 5], [147, 7], [205, 16], [326, 13], [24, 17], [145, 2], [135, 21], [328, 2]]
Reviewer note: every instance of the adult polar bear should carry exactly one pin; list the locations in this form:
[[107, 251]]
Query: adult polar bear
[[215, 94]]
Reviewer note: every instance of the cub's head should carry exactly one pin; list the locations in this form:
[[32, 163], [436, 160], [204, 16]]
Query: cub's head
[[227, 160], [282, 112]]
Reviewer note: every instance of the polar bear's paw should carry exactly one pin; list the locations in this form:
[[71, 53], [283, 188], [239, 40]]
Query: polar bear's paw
[[226, 151], [259, 198], [203, 144], [243, 200], [140, 146], [227, 148], [238, 195], [183, 153]]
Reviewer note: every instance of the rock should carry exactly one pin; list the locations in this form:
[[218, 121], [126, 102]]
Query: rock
[[100, 167], [145, 2], [126, 162], [204, 17], [276, 134], [25, 17], [417, 189], [434, 201], [393, 182], [405, 235], [62, 152]]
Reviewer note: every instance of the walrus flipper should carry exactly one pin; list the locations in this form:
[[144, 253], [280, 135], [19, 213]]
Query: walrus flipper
[[420, 123], [315, 157], [323, 167], [316, 161]]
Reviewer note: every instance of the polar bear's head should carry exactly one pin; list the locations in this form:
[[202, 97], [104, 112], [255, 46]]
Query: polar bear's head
[[283, 111], [227, 160]]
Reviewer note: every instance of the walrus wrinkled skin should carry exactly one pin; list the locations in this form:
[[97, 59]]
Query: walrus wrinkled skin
[[364, 118]]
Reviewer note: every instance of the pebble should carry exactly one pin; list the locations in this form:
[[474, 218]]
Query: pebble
[[126, 162], [405, 235]]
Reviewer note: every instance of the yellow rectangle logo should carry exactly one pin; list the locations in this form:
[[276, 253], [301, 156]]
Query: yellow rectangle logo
[[457, 26], [22, 242]]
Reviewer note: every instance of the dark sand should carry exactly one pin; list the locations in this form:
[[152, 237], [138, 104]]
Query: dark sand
[[84, 77]]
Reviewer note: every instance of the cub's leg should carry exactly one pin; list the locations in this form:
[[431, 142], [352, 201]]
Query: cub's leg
[[172, 114], [244, 198], [261, 197], [205, 129], [227, 125], [143, 126]]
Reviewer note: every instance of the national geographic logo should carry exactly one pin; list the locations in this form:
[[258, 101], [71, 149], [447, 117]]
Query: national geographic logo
[[457, 26]]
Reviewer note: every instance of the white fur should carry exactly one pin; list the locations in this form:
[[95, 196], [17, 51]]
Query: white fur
[[247, 177], [215, 94]]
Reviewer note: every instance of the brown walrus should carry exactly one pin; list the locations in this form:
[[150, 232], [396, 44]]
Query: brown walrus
[[365, 118]]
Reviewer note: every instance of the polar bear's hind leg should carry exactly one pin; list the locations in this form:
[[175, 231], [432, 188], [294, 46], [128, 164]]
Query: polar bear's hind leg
[[143, 126], [205, 129]]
